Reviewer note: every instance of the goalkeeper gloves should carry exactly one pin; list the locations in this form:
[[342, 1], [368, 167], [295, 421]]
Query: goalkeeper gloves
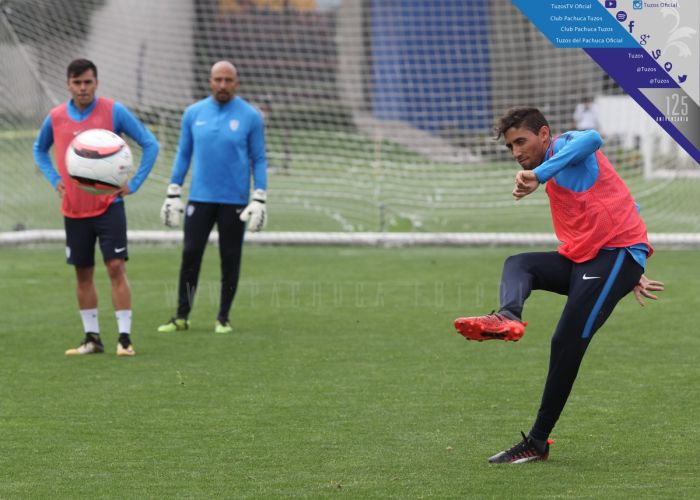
[[255, 214], [173, 207]]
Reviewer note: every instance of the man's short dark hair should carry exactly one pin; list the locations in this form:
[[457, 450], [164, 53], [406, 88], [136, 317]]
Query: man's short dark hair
[[530, 118], [80, 66]]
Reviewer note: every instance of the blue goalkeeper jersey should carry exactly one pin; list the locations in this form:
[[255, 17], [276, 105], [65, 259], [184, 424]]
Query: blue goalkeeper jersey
[[571, 161], [225, 144], [123, 121]]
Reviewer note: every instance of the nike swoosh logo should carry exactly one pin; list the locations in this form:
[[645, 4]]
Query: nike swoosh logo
[[590, 277], [120, 250]]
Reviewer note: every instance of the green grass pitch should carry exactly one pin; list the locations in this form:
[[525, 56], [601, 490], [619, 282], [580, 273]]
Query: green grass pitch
[[344, 378]]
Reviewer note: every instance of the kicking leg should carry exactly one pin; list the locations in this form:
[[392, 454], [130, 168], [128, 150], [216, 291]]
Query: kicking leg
[[522, 273], [525, 272]]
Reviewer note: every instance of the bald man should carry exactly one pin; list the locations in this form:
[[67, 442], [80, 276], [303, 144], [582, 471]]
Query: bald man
[[223, 139]]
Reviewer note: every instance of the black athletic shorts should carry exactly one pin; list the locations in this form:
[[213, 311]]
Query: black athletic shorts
[[109, 228]]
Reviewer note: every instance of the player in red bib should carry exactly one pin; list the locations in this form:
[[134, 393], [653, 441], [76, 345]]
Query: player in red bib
[[601, 258], [90, 218]]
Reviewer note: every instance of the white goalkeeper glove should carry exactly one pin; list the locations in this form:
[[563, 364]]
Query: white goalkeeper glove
[[173, 207], [255, 214]]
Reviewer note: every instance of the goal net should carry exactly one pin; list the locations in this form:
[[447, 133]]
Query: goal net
[[379, 113]]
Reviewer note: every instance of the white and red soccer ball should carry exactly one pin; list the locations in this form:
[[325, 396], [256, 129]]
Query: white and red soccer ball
[[99, 161]]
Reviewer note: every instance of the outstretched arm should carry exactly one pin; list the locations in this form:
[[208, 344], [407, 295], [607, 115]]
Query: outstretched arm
[[644, 289]]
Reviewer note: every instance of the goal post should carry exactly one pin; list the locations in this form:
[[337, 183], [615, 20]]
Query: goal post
[[378, 113]]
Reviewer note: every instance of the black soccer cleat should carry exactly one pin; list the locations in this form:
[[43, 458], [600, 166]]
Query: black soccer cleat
[[524, 451]]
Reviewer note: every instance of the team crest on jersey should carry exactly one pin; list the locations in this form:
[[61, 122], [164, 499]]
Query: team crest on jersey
[[234, 124]]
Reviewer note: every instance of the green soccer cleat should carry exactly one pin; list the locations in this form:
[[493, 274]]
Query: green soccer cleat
[[223, 327], [174, 325]]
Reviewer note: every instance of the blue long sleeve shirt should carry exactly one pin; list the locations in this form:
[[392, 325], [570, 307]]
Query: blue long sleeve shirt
[[571, 161], [225, 144], [124, 122]]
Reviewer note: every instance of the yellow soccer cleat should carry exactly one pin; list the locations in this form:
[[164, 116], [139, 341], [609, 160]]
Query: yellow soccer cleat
[[223, 327], [174, 325]]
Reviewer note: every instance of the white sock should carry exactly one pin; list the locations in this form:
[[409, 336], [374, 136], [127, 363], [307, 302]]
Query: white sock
[[124, 320], [90, 322]]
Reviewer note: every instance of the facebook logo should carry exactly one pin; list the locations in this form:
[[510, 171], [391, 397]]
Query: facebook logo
[[637, 4], [631, 25], [610, 4]]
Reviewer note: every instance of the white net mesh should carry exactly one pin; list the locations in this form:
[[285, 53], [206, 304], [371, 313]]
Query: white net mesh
[[379, 112]]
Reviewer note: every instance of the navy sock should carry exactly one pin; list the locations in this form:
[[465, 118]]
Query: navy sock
[[509, 315]]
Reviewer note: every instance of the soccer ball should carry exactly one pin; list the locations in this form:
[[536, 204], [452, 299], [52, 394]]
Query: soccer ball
[[99, 161]]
